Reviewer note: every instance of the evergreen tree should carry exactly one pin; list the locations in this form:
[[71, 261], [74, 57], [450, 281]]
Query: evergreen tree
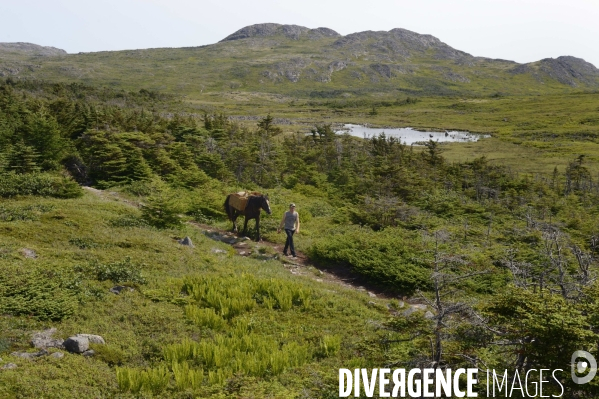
[[23, 159]]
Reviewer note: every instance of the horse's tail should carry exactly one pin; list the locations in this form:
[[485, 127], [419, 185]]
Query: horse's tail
[[228, 207]]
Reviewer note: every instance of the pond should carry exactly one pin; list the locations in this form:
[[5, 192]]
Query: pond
[[409, 136]]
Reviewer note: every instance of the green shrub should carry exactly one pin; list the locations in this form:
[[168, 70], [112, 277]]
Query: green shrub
[[381, 257], [83, 243], [42, 184], [35, 293], [162, 211], [119, 272], [110, 355], [30, 212], [4, 345]]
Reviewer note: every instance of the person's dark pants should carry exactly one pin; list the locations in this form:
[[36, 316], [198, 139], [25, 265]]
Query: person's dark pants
[[289, 242]]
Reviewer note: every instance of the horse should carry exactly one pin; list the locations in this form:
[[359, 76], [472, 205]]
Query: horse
[[255, 203]]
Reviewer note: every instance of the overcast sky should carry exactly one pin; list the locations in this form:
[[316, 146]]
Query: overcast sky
[[519, 30]]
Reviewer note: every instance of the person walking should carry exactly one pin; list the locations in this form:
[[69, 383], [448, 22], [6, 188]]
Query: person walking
[[291, 223]]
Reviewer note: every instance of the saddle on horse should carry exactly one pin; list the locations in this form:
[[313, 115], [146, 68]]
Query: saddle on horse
[[239, 200]]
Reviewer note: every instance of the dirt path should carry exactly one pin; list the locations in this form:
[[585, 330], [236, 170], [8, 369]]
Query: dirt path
[[300, 266]]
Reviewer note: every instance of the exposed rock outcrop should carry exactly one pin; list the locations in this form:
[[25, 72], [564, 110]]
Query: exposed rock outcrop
[[293, 32], [44, 340], [567, 70], [31, 49]]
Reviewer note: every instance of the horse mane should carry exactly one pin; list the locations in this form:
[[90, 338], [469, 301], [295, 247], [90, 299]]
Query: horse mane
[[255, 200]]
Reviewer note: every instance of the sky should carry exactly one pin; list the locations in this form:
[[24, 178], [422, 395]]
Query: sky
[[518, 30]]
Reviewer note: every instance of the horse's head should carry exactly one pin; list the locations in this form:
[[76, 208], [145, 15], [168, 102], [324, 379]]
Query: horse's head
[[265, 204]]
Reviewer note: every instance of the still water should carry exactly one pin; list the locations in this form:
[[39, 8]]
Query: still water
[[410, 136]]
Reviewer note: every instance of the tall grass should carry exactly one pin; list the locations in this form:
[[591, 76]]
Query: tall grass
[[232, 296], [250, 354], [154, 380]]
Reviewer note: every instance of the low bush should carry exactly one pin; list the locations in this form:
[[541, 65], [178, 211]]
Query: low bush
[[16, 213], [32, 292], [383, 258], [42, 184], [119, 272], [162, 211]]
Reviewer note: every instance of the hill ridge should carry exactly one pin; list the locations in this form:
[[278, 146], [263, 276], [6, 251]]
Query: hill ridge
[[297, 61], [31, 48]]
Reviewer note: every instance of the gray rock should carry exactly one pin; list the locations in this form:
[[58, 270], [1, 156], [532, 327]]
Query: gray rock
[[118, 288], [429, 315], [186, 241], [413, 308], [218, 251], [28, 355], [43, 339], [57, 355], [76, 344], [9, 366], [372, 294], [93, 339], [89, 353], [28, 253], [408, 312]]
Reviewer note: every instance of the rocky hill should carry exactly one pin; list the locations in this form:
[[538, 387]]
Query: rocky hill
[[297, 61], [30, 49]]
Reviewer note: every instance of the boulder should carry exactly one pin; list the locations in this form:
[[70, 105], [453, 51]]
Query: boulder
[[93, 339], [186, 241], [76, 344], [57, 355], [89, 353], [9, 366], [43, 339]]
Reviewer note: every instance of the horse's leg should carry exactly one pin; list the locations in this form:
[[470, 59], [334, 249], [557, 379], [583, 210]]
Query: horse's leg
[[245, 226], [258, 227], [234, 218]]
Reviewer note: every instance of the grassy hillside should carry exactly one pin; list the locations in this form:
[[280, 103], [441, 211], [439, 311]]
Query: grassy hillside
[[74, 239], [493, 250], [304, 64]]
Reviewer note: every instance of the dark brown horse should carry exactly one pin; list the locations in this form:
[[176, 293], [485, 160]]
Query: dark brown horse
[[252, 211]]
